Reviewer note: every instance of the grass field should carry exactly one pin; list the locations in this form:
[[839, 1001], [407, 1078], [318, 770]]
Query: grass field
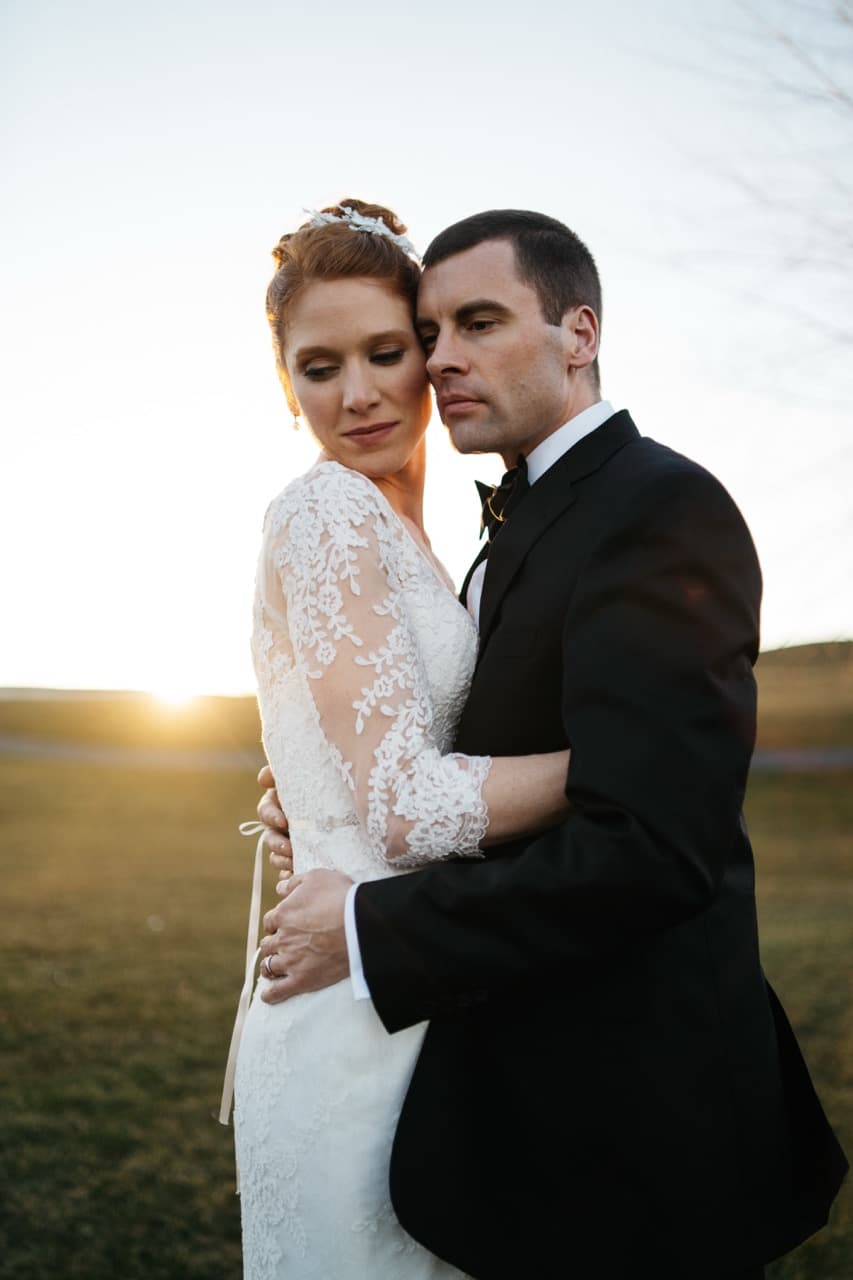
[[125, 892]]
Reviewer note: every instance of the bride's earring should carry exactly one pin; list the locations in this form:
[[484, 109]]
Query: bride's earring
[[296, 422]]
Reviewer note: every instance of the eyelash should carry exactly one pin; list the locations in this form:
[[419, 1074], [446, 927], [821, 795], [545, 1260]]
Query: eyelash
[[317, 373]]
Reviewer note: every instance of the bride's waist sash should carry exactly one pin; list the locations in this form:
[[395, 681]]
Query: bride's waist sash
[[324, 825]]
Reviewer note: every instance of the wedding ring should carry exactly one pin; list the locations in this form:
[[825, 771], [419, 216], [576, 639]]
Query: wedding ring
[[266, 969]]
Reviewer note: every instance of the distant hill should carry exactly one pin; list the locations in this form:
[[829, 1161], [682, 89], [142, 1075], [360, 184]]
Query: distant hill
[[805, 696], [104, 718], [805, 700], [835, 654]]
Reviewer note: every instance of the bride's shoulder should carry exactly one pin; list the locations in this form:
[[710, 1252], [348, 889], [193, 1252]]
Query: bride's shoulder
[[329, 493]]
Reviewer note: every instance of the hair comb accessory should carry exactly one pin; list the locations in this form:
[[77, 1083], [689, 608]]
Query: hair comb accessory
[[361, 222]]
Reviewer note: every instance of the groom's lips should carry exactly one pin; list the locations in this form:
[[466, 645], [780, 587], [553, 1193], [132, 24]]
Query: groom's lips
[[455, 402]]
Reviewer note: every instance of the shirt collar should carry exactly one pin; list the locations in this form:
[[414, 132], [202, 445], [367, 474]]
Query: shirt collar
[[552, 448]]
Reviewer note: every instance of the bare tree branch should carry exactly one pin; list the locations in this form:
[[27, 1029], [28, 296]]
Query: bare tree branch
[[826, 84]]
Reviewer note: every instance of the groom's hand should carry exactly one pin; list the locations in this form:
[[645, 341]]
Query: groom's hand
[[306, 948]]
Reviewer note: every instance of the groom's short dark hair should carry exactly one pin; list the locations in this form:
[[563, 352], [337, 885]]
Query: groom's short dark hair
[[548, 256]]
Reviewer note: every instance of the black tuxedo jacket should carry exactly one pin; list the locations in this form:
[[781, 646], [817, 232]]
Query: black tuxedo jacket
[[607, 1087]]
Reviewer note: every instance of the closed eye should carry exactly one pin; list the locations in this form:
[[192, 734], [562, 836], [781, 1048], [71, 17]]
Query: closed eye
[[387, 357], [319, 372]]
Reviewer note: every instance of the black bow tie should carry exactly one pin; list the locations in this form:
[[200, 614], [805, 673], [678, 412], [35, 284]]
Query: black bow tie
[[499, 501]]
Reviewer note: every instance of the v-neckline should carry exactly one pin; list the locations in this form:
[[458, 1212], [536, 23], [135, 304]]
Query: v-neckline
[[434, 565]]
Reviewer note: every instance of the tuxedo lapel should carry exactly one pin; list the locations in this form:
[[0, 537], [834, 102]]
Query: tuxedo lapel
[[553, 494]]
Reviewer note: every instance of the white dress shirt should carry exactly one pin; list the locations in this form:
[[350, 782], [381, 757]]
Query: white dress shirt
[[539, 460]]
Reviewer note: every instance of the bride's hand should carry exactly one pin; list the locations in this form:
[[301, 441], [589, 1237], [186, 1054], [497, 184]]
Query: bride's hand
[[274, 819]]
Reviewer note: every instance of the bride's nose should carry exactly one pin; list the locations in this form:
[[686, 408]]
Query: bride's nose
[[360, 392]]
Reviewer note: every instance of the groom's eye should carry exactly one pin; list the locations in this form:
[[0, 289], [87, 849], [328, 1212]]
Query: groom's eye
[[481, 325], [428, 341]]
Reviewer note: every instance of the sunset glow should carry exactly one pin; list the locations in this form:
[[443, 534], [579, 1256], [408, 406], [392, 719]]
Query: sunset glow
[[174, 697], [147, 430]]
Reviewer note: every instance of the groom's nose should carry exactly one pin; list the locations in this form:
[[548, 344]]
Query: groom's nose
[[446, 356]]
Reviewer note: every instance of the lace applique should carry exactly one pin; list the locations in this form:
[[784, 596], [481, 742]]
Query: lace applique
[[318, 1100], [350, 576]]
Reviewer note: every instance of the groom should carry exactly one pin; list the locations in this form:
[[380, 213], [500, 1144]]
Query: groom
[[608, 1088]]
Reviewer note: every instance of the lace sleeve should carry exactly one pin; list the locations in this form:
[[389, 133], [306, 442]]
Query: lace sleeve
[[338, 556]]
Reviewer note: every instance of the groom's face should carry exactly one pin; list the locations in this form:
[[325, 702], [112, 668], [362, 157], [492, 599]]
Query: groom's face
[[502, 374]]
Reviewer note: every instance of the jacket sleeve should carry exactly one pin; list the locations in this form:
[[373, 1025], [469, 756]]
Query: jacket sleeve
[[658, 703]]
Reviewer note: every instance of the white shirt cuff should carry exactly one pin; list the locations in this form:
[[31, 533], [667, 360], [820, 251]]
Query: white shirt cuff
[[360, 989]]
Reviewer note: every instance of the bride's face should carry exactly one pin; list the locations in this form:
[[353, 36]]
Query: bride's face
[[358, 373]]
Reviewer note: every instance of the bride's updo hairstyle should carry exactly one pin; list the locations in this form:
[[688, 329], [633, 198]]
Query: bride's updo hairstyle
[[336, 251]]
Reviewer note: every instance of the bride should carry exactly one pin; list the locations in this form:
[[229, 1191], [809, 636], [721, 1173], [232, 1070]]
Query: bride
[[363, 656]]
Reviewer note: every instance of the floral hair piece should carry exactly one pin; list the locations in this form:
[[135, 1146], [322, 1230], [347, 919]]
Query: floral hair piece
[[361, 222]]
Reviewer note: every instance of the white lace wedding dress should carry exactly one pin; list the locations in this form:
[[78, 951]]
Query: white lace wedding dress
[[363, 658]]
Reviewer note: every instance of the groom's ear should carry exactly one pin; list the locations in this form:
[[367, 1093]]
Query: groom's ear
[[580, 333]]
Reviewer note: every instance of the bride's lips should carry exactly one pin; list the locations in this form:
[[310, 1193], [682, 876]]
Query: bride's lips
[[372, 433]]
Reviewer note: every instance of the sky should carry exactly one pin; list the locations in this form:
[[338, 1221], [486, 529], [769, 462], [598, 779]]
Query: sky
[[153, 154]]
